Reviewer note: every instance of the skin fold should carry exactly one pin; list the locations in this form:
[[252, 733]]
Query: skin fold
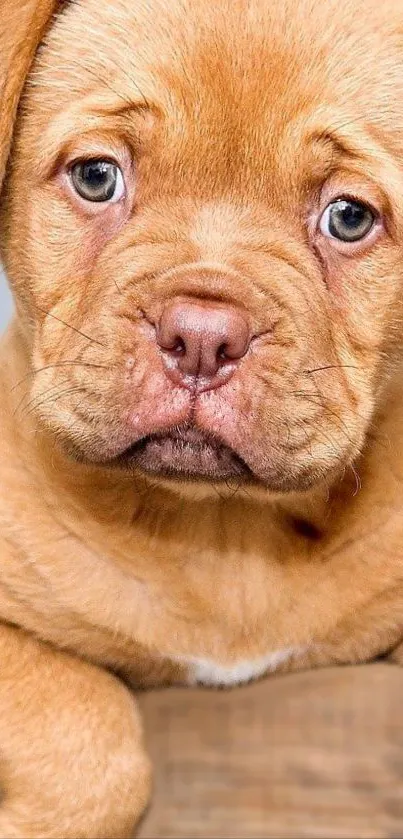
[[162, 527]]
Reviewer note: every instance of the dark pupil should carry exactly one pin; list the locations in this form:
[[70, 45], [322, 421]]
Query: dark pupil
[[96, 180], [350, 220]]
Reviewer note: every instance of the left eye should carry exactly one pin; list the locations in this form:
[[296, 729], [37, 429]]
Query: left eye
[[99, 181], [347, 220]]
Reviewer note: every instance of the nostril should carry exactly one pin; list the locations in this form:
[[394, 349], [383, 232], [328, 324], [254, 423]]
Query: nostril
[[174, 345], [179, 347], [222, 352]]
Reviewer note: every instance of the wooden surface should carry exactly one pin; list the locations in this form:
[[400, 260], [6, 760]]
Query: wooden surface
[[317, 754]]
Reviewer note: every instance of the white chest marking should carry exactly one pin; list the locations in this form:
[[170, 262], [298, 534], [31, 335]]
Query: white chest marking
[[206, 672]]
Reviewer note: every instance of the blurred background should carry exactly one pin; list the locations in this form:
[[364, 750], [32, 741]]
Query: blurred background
[[5, 301]]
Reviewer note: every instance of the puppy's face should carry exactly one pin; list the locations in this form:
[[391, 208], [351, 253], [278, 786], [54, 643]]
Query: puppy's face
[[203, 228]]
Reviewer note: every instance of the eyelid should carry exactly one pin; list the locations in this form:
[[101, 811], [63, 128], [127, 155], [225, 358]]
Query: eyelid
[[87, 149], [93, 158], [356, 199], [346, 186]]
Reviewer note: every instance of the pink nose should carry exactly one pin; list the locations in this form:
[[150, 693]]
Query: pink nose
[[202, 341]]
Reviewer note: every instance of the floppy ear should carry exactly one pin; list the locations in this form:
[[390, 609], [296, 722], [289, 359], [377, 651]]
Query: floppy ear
[[22, 26]]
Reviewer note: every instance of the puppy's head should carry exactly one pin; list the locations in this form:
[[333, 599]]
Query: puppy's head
[[202, 224]]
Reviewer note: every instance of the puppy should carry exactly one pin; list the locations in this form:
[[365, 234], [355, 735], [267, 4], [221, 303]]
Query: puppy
[[201, 414]]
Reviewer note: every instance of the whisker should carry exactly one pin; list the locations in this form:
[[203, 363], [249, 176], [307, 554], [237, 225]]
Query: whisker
[[117, 286], [358, 482], [331, 367], [74, 421], [69, 326], [52, 399], [317, 399], [326, 407], [34, 373], [33, 400], [234, 489]]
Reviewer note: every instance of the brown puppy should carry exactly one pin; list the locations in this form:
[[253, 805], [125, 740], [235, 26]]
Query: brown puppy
[[201, 414]]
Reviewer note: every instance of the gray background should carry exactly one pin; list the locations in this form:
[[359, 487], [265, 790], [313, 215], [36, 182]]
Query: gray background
[[5, 301]]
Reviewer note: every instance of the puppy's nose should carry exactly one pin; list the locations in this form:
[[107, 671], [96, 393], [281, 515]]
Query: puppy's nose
[[202, 341]]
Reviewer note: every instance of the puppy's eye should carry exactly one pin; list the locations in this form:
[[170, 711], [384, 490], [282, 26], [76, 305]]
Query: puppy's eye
[[347, 220], [98, 181]]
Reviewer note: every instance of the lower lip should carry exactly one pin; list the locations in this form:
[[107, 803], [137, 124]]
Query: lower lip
[[186, 455]]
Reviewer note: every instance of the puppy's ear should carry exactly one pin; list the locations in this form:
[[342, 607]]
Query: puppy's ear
[[22, 26]]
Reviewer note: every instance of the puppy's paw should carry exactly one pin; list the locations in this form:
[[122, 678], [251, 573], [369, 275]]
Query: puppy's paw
[[72, 760]]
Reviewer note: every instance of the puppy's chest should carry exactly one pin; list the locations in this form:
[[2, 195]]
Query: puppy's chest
[[242, 640], [212, 673], [217, 629], [231, 636]]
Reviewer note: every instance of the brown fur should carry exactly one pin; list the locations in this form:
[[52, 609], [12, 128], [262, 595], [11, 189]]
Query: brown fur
[[235, 123]]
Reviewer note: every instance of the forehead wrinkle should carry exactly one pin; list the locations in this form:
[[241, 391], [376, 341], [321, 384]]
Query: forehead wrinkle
[[191, 45], [363, 146], [186, 43], [365, 152]]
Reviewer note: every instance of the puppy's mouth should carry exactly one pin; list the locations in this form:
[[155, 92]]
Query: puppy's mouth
[[185, 453]]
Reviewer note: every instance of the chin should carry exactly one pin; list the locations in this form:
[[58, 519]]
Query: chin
[[198, 465], [187, 454]]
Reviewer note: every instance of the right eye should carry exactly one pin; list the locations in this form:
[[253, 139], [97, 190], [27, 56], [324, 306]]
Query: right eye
[[347, 220], [98, 181]]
